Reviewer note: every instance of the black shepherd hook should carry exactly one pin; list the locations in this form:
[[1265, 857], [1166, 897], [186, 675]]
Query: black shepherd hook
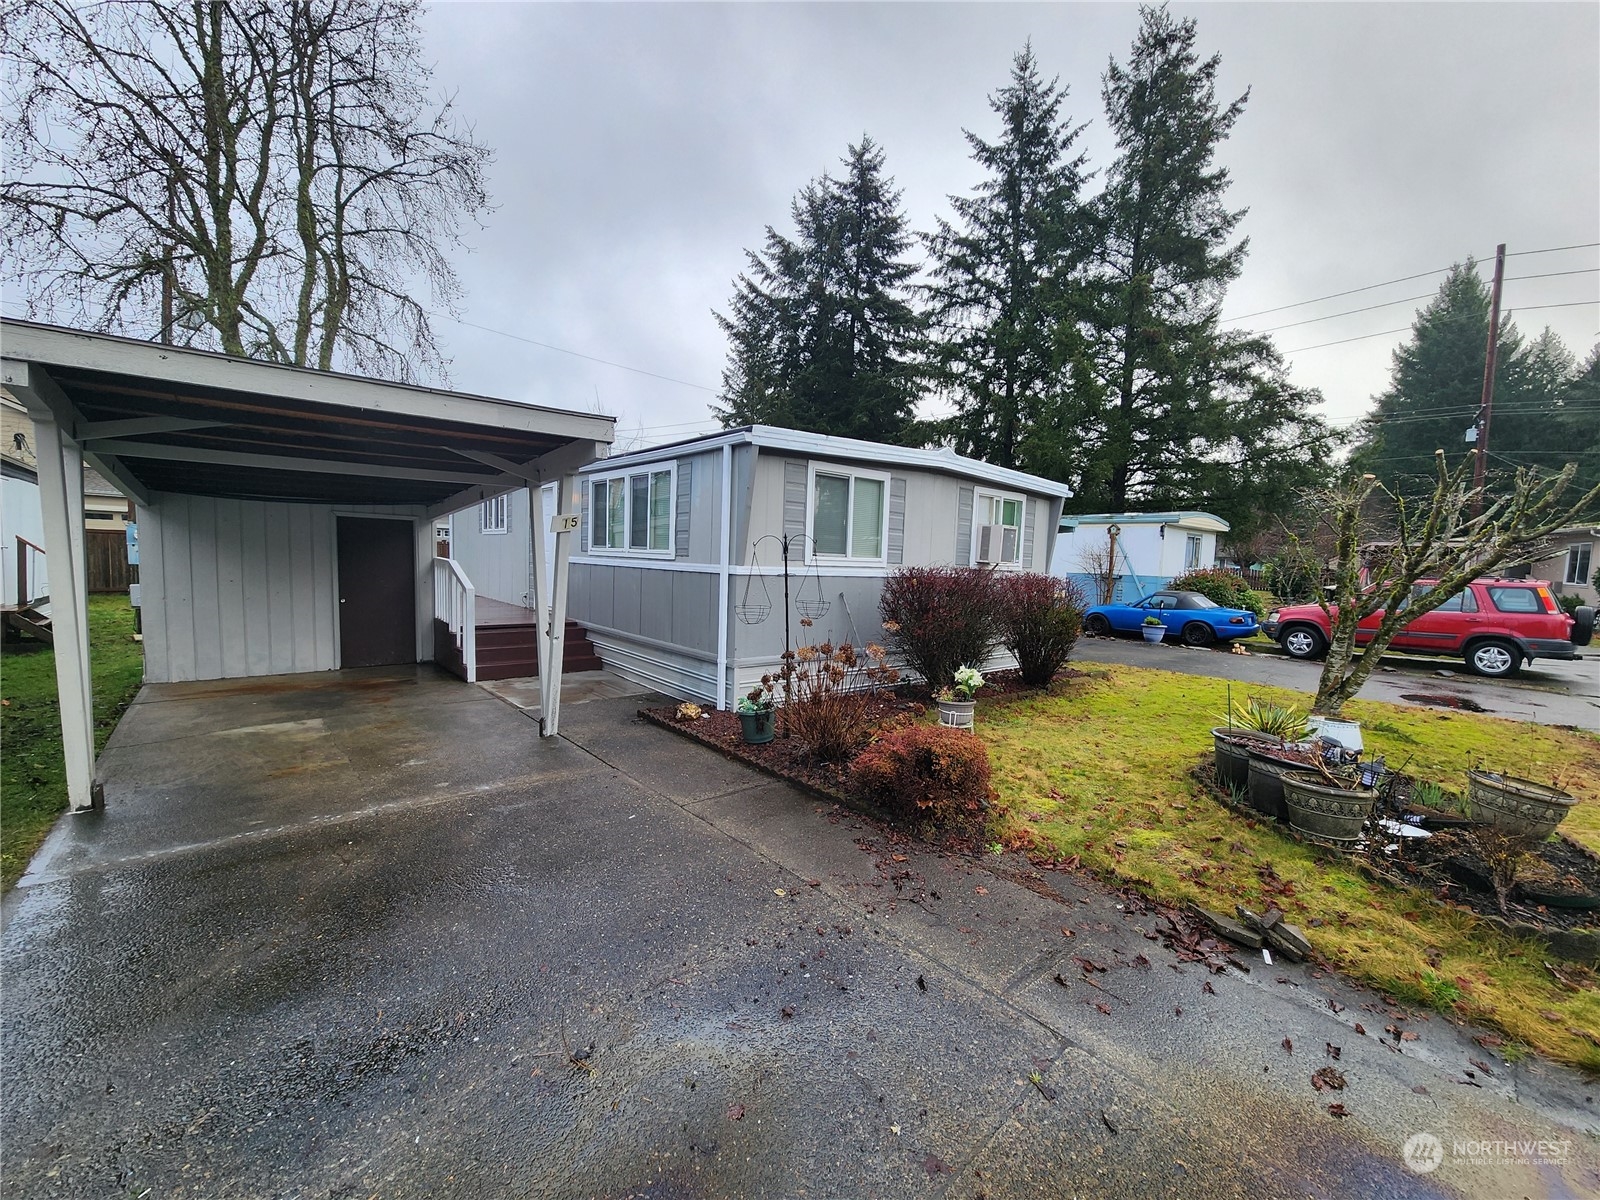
[[786, 542]]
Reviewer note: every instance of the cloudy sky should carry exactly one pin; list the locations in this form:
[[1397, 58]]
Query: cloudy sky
[[642, 148]]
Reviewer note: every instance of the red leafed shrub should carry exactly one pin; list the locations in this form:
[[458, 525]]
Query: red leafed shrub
[[1040, 619], [924, 773], [941, 619]]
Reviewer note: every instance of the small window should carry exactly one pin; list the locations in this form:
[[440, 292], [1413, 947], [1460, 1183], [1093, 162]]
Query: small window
[[1515, 600], [632, 513], [1191, 552], [847, 515], [1578, 563], [1463, 601], [997, 532], [492, 516]]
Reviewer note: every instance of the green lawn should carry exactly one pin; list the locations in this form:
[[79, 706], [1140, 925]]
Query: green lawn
[[33, 785], [1101, 769]]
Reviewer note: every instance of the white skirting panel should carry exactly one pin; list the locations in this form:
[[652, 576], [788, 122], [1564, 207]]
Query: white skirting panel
[[236, 588], [688, 676]]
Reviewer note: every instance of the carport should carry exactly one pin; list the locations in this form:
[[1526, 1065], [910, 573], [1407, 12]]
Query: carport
[[285, 515]]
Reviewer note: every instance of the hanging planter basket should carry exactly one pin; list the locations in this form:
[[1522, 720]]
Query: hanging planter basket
[[812, 608], [752, 614]]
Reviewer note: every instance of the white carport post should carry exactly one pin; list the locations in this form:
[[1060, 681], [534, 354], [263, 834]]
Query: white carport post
[[567, 506], [61, 500]]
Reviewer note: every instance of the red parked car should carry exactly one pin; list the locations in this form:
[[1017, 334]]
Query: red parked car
[[1494, 624]]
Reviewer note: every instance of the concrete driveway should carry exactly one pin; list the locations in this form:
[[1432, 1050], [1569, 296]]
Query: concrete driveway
[[366, 936]]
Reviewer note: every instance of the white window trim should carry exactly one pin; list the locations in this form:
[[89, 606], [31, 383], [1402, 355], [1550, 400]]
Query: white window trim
[[978, 497], [1574, 556], [500, 503], [647, 470], [852, 473]]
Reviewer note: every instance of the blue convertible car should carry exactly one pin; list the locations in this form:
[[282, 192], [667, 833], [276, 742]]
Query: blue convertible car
[[1195, 619]]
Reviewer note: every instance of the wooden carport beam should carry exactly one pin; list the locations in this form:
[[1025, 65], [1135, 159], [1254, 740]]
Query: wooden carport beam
[[140, 426], [281, 462], [40, 394], [561, 461]]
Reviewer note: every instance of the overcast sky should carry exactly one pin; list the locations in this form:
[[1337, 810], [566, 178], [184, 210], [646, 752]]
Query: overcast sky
[[641, 149]]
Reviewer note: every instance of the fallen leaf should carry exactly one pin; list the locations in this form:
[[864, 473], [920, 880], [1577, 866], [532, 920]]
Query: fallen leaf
[[1549, 1016], [1420, 1090], [778, 892], [1061, 981], [1106, 1121], [1409, 1035], [981, 890], [736, 1112], [895, 1129], [1484, 1067], [898, 857], [1140, 960], [1177, 1010], [1065, 932], [922, 984], [1488, 1041], [1103, 1008], [1361, 1029], [1337, 1110], [1288, 1046], [1336, 1006], [1208, 989], [787, 1011], [1334, 1051], [934, 1165], [1327, 1079]]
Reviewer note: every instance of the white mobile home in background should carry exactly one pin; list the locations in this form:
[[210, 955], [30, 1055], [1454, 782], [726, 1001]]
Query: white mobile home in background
[[1151, 549]]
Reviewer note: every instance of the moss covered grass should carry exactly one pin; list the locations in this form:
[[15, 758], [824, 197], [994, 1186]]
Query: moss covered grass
[[1101, 768], [33, 782]]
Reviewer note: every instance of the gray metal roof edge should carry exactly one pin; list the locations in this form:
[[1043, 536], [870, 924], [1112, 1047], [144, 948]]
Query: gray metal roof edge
[[61, 346], [823, 445], [1154, 518]]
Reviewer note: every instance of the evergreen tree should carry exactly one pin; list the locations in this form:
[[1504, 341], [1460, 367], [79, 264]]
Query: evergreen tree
[[1436, 386], [1179, 412], [1004, 274], [822, 333]]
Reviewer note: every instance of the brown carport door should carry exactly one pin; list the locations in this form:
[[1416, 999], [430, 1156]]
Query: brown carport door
[[377, 592]]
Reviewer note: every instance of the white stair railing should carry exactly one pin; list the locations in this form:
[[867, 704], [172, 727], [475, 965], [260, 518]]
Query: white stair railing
[[455, 603]]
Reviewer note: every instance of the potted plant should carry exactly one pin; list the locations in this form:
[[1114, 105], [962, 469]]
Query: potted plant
[[1326, 805], [1254, 723], [957, 702], [757, 713], [1519, 806], [1154, 630], [1268, 758]]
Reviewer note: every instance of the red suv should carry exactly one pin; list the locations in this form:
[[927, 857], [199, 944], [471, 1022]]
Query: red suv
[[1494, 624]]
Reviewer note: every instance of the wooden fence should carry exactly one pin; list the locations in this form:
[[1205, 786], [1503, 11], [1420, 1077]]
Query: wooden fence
[[107, 553]]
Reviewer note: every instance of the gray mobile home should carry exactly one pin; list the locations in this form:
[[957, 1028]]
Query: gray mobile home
[[678, 572]]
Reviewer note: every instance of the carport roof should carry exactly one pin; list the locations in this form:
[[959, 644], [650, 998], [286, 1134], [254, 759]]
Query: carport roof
[[156, 418]]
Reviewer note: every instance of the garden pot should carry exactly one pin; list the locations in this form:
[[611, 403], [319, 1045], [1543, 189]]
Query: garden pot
[[1154, 633], [957, 713], [1232, 748], [1266, 784], [1518, 806], [1325, 811], [1346, 733], [758, 727]]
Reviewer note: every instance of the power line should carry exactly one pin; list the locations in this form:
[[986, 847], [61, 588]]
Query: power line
[[1552, 249], [605, 362]]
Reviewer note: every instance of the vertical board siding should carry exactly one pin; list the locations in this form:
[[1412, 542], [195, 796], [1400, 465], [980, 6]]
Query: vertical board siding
[[1030, 513], [680, 538], [235, 588], [584, 488], [794, 498], [964, 501], [896, 548]]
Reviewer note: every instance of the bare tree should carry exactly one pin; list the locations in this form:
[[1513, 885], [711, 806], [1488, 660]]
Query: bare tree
[[1385, 544], [1099, 563], [267, 177]]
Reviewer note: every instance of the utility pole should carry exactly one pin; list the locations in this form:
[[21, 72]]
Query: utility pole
[[1487, 405]]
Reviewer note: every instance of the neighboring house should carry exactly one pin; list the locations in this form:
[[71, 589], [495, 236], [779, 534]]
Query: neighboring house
[[23, 575], [678, 576], [491, 543], [1572, 564], [1150, 550]]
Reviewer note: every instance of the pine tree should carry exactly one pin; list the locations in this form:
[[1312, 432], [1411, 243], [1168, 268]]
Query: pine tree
[[1004, 275], [821, 329], [1179, 412], [1436, 387]]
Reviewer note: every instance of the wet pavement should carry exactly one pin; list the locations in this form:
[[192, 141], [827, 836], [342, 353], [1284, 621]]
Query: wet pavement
[[616, 964], [1547, 692]]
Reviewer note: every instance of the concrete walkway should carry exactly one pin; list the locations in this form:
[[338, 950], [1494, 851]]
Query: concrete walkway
[[616, 964]]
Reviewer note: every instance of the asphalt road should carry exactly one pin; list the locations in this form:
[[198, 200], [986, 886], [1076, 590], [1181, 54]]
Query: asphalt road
[[1548, 692]]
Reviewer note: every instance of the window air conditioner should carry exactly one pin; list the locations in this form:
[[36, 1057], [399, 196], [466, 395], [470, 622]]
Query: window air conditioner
[[997, 543]]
